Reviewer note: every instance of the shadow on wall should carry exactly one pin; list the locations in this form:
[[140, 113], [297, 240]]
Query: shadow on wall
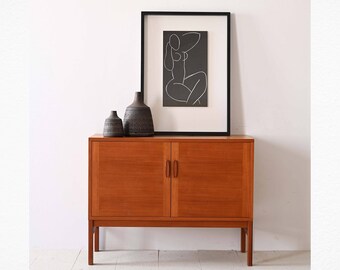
[[170, 238], [237, 114], [282, 173], [282, 193]]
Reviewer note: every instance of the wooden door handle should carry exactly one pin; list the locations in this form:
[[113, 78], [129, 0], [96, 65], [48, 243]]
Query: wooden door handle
[[175, 168], [167, 168]]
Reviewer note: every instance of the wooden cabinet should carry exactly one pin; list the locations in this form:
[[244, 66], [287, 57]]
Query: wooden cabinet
[[128, 179], [171, 182]]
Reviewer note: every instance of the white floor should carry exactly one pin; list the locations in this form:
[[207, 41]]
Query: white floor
[[168, 260]]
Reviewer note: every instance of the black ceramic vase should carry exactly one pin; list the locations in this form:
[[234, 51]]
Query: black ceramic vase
[[113, 126], [138, 119]]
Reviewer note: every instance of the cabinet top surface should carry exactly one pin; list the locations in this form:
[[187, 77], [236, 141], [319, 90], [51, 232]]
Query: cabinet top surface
[[233, 138]]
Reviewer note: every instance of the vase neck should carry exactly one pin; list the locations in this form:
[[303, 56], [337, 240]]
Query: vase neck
[[138, 100], [113, 113], [138, 97]]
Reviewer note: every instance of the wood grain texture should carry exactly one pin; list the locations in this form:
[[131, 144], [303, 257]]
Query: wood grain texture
[[173, 218], [243, 240], [172, 223], [130, 179], [247, 180], [229, 139], [90, 164], [213, 180], [251, 179], [164, 181], [90, 242], [174, 181], [250, 243]]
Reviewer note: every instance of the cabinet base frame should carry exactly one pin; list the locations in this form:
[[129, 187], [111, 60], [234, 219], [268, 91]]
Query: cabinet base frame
[[245, 226]]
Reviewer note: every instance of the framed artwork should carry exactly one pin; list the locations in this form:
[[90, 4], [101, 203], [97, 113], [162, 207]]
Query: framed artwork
[[185, 71]]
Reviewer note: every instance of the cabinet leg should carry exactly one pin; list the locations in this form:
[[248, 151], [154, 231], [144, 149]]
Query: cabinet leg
[[250, 243], [243, 240], [96, 239], [90, 247]]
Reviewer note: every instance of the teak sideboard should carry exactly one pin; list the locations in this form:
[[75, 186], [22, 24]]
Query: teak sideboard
[[171, 181]]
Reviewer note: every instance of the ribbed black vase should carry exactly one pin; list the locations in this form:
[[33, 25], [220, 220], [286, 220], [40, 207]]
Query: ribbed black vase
[[113, 126], [138, 119]]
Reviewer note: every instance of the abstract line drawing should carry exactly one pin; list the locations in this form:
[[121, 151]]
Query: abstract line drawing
[[185, 69]]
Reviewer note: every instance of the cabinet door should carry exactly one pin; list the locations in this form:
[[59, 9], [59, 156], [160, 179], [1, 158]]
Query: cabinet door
[[214, 180], [128, 179]]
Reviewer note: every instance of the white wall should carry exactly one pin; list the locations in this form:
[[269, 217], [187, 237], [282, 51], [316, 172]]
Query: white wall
[[325, 101], [14, 169], [85, 61]]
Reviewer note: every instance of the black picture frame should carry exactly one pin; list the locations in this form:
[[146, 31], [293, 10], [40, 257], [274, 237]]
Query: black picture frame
[[202, 132]]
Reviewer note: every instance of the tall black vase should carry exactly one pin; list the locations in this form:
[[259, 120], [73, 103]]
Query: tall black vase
[[138, 119]]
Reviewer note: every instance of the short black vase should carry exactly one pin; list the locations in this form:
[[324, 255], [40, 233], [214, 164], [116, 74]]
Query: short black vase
[[113, 126], [138, 119]]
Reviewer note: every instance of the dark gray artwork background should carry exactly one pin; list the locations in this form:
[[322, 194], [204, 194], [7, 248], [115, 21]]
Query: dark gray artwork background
[[185, 82]]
